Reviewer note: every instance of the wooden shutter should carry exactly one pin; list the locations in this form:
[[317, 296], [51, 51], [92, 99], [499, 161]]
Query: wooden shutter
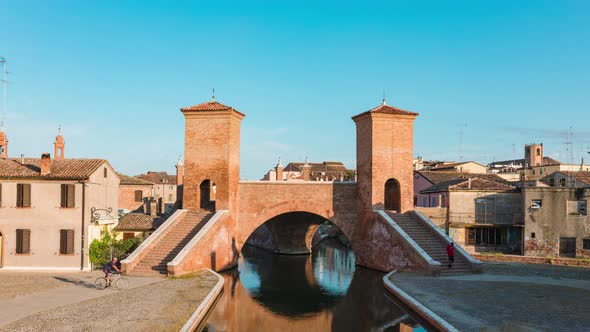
[[71, 196], [19, 195], [64, 191], [62, 240], [26, 195], [0, 194], [66, 242], [138, 195], [19, 241], [23, 241], [470, 236]]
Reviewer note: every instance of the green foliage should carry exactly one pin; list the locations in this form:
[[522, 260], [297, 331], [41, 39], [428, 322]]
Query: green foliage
[[100, 250]]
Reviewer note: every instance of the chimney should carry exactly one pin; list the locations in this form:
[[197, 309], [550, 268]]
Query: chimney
[[306, 172], [45, 164], [279, 169], [153, 208], [179, 172]]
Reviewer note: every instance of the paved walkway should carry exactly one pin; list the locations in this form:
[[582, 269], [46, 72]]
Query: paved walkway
[[26, 293], [506, 297], [164, 305]]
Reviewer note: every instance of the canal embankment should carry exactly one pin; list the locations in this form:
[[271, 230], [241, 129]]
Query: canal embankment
[[505, 297], [167, 305]]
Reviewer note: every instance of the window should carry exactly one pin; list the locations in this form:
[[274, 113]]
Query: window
[[586, 244], [443, 200], [489, 236], [415, 201], [138, 195], [536, 204], [433, 202], [425, 202], [68, 195], [552, 182], [104, 170], [562, 182], [66, 242], [533, 235], [127, 236], [538, 152], [23, 195], [470, 236], [23, 241], [577, 207]]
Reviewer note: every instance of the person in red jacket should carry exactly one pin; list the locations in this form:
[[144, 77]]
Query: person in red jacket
[[451, 253]]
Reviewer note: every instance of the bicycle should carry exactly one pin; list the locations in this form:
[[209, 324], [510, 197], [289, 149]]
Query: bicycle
[[116, 278]]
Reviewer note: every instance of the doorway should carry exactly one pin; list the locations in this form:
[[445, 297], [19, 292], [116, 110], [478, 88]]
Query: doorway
[[567, 247], [392, 199], [205, 191]]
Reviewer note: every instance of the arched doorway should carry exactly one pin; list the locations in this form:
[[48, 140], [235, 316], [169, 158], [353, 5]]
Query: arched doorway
[[392, 198], [205, 194]]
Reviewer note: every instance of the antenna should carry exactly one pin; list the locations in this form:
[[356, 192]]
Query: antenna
[[461, 133]]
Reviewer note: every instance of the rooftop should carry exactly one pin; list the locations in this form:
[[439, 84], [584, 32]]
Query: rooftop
[[132, 180], [139, 222], [474, 183], [209, 106], [157, 177], [386, 109], [435, 177], [64, 169]]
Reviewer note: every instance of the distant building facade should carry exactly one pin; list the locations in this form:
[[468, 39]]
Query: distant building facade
[[307, 171]]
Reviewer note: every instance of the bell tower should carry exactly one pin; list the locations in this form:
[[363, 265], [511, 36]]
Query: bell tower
[[212, 156], [384, 157], [59, 146]]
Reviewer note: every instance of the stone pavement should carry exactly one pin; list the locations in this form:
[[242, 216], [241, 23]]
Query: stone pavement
[[25, 293], [506, 297], [161, 306]]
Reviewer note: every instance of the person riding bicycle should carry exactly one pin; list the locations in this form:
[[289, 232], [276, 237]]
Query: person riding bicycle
[[110, 268]]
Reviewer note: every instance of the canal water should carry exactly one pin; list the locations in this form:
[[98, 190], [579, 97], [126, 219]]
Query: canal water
[[323, 291]]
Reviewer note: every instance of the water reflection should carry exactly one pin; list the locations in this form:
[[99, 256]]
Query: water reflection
[[319, 292]]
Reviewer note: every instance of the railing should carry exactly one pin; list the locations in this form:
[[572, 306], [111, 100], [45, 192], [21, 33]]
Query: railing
[[433, 265], [474, 264], [172, 265], [132, 260]]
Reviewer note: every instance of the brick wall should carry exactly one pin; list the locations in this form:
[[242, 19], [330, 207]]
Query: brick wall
[[127, 196]]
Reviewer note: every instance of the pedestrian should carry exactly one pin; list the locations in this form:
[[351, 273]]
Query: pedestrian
[[451, 253]]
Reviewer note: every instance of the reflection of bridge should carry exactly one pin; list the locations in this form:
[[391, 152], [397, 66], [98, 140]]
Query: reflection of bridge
[[211, 181]]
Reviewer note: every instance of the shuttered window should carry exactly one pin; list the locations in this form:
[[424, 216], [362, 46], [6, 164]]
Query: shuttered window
[[138, 196], [68, 195], [66, 242], [23, 241], [23, 195]]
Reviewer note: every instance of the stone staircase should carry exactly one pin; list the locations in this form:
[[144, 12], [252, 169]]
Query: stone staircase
[[434, 246], [156, 260]]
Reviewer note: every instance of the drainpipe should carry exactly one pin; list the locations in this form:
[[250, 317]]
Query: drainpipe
[[82, 242]]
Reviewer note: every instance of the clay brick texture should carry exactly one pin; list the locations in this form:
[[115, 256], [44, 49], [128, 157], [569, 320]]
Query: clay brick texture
[[127, 196], [212, 151]]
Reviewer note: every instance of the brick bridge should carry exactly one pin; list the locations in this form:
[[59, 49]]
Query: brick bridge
[[220, 212]]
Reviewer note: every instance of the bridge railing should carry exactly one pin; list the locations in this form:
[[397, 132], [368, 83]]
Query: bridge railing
[[431, 266], [137, 255]]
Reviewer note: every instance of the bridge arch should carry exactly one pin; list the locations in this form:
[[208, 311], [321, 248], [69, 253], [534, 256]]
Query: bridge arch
[[305, 217]]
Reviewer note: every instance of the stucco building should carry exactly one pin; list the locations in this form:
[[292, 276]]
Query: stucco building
[[165, 189], [46, 205], [556, 222], [308, 171], [133, 192]]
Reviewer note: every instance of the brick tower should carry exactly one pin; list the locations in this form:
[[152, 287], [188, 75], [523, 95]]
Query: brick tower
[[59, 146], [212, 156], [384, 156], [533, 155]]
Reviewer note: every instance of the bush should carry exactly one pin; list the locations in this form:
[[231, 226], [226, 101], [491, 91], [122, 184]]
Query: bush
[[102, 250]]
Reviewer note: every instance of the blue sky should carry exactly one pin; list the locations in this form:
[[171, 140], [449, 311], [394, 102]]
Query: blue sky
[[115, 73]]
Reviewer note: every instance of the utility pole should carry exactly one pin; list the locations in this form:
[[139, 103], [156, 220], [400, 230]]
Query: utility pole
[[461, 133], [4, 73]]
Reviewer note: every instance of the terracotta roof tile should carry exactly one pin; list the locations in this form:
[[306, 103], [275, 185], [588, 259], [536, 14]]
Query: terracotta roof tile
[[435, 177], [139, 222], [132, 180], [210, 106], [386, 109], [474, 183], [74, 169], [158, 177]]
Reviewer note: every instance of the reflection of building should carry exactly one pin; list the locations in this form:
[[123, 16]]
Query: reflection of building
[[556, 222], [45, 209]]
